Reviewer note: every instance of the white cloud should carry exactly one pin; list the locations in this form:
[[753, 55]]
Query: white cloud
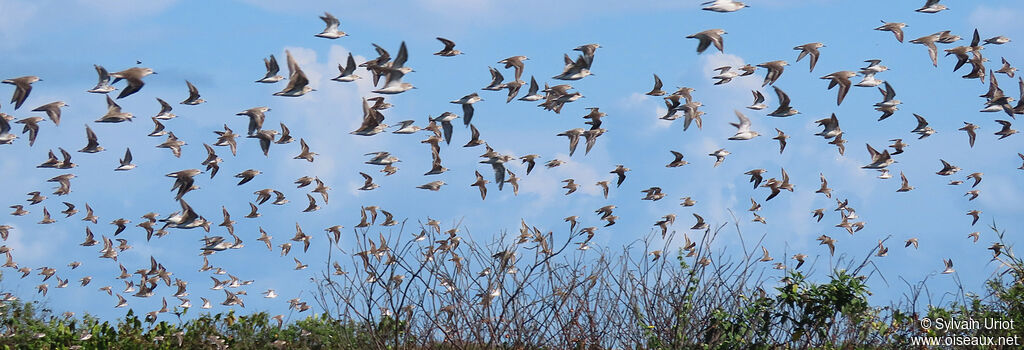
[[543, 182], [329, 114], [719, 59], [727, 95], [306, 60], [651, 108]]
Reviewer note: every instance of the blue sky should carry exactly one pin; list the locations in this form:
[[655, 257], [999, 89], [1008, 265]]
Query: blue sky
[[219, 46]]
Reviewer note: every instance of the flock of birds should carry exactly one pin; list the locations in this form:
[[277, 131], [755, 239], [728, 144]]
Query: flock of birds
[[388, 75]]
